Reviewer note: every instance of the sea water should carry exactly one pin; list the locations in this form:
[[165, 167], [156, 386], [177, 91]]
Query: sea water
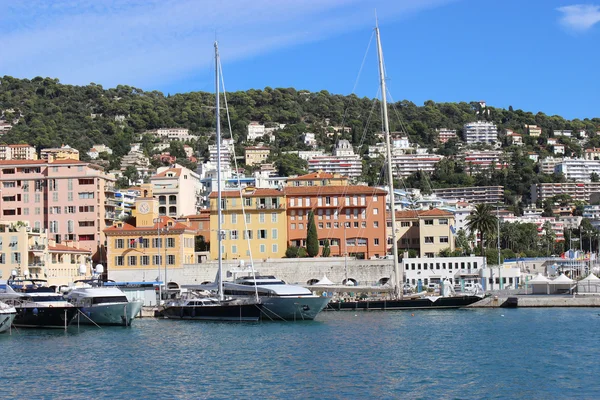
[[466, 354]]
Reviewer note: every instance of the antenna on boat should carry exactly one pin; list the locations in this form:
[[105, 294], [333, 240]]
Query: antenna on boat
[[386, 126]]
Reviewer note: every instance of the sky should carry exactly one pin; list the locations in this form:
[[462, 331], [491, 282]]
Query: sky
[[535, 55]]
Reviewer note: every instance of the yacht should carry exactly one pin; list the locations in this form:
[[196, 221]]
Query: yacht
[[102, 305], [37, 305], [7, 316], [194, 305], [280, 300]]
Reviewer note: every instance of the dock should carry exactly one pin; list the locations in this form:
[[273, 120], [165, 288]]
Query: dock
[[530, 301]]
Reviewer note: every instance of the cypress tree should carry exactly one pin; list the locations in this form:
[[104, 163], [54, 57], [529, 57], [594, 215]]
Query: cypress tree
[[312, 240], [326, 249]]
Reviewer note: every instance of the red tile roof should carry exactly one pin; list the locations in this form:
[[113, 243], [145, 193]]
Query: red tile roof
[[248, 192], [313, 175], [62, 248], [162, 224], [434, 212], [176, 171], [338, 190]]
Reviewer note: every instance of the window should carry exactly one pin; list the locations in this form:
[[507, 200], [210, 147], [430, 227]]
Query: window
[[70, 184], [375, 211], [69, 209], [300, 226], [171, 259], [262, 233], [273, 233], [119, 243], [274, 248], [233, 235], [234, 218], [170, 242], [26, 198], [292, 226], [346, 224], [443, 221], [328, 225], [274, 217], [120, 261], [363, 224], [55, 210], [70, 226], [53, 226], [428, 222], [144, 260], [261, 218], [86, 209], [405, 224], [263, 248], [443, 239], [86, 195], [26, 211], [248, 234], [156, 243], [157, 260], [376, 241], [86, 223], [131, 244], [144, 243], [132, 260], [321, 225], [428, 239], [356, 224], [70, 196], [247, 202], [248, 218], [11, 184]]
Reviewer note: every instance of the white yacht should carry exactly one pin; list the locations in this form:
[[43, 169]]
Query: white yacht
[[103, 305], [7, 316]]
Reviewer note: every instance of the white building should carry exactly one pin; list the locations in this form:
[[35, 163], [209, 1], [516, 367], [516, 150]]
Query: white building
[[567, 133], [310, 140], [445, 134], [343, 161], [256, 131], [178, 189], [579, 170], [548, 165], [435, 270], [401, 142], [180, 134], [479, 160], [480, 132], [559, 149], [17, 152], [95, 151], [407, 164]]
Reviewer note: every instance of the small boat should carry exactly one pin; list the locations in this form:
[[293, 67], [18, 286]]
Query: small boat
[[37, 305], [7, 316], [193, 307], [102, 305]]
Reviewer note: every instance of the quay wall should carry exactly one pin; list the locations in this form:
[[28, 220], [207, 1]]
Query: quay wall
[[525, 301], [297, 271]]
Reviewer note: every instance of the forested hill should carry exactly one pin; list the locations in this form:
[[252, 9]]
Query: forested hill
[[54, 114]]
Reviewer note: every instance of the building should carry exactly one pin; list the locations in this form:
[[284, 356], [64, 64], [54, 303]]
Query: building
[[319, 178], [535, 157], [256, 155], [95, 151], [481, 160], [578, 170], [533, 130], [225, 154], [557, 226], [253, 225], [514, 138], [72, 199], [310, 140], [343, 161], [17, 152], [307, 154], [473, 195], [405, 165], [427, 231], [169, 134], [255, 130], [145, 245], [351, 218], [558, 149], [178, 189], [548, 165], [65, 152], [445, 134], [567, 133], [480, 132], [136, 159], [579, 191], [423, 271], [592, 154]]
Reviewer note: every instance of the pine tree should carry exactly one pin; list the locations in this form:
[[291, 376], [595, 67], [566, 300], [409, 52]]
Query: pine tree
[[312, 240]]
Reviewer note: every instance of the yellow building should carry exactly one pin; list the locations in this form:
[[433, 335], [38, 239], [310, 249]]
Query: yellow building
[[148, 241], [318, 179], [533, 130], [263, 231], [427, 231], [256, 155]]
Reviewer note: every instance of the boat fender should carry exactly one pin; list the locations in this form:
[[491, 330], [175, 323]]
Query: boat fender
[[50, 306]]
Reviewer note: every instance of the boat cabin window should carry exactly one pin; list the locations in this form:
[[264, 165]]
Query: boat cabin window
[[110, 299]]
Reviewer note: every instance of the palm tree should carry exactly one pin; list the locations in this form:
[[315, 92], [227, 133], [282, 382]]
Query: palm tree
[[483, 221]]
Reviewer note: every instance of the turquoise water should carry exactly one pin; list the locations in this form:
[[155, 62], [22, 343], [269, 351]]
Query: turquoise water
[[495, 353]]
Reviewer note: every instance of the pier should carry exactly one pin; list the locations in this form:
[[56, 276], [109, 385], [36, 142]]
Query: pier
[[530, 301]]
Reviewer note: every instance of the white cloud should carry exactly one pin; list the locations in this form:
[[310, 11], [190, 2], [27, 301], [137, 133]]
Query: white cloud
[[154, 42], [579, 17]]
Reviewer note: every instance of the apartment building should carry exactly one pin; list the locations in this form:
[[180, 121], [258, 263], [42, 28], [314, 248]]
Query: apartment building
[[256, 130], [405, 165], [319, 178], [150, 245], [557, 226], [352, 218], [225, 154], [178, 189], [566, 133], [64, 152], [256, 155], [253, 224], [72, 199], [168, 134], [473, 194], [592, 154], [343, 161], [480, 132], [17, 152], [533, 130], [427, 231], [579, 191], [481, 160], [445, 134], [578, 170], [548, 165]]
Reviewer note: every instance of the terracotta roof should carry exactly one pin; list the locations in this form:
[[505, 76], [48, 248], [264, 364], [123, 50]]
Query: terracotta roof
[[19, 145], [407, 214], [176, 171], [42, 162], [248, 192], [435, 212], [313, 175], [338, 190], [63, 248], [162, 224]]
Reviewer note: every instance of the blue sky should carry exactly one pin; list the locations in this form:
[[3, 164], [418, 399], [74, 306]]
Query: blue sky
[[537, 55]]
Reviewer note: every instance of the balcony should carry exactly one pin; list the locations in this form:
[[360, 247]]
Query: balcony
[[110, 188], [37, 247], [111, 215], [269, 206], [112, 202]]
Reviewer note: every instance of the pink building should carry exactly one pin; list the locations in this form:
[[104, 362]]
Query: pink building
[[73, 200]]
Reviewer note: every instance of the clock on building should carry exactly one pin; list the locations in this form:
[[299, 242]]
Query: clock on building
[[144, 208]]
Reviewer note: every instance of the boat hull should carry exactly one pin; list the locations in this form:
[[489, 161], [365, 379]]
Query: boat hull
[[409, 304], [223, 312], [293, 308], [6, 321], [117, 314], [44, 317]]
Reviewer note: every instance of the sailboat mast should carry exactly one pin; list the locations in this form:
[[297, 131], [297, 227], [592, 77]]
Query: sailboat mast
[[218, 138], [399, 280]]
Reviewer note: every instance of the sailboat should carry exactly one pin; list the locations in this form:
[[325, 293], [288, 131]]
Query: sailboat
[[449, 299], [202, 305]]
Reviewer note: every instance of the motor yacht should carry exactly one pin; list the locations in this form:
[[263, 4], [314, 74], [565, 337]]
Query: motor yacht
[[195, 305], [7, 316]]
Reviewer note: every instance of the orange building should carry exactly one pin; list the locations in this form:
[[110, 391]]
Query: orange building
[[351, 217], [318, 179]]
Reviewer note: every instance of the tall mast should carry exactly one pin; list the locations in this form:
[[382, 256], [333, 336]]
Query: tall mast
[[218, 138], [399, 280]]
